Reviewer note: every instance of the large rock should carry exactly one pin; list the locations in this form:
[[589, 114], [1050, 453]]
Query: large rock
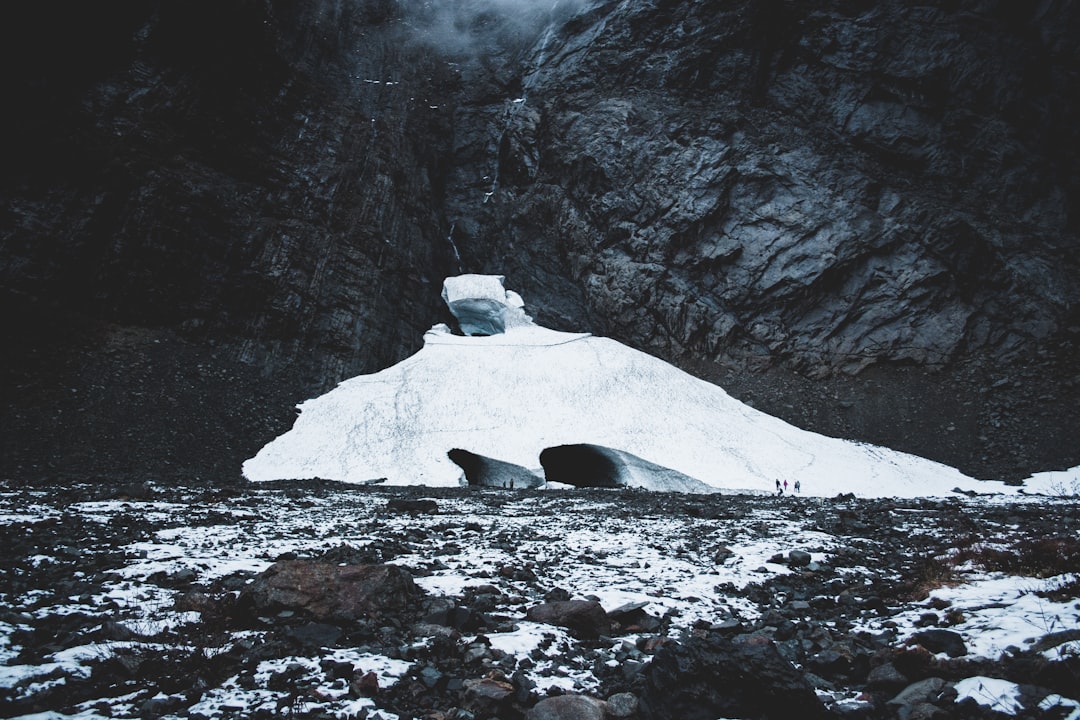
[[941, 641], [586, 618], [713, 676], [568, 707], [339, 593]]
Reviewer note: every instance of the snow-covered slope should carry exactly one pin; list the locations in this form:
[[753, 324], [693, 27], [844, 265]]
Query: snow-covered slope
[[512, 395]]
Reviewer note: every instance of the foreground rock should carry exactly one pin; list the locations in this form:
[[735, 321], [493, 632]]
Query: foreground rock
[[333, 592], [336, 630], [586, 618], [714, 676]]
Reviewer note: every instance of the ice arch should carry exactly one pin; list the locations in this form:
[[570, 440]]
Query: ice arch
[[488, 472], [589, 465]]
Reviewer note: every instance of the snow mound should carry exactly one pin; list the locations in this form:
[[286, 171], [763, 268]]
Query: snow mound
[[512, 393]]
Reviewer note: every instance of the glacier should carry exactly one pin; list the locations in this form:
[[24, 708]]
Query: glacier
[[510, 391]]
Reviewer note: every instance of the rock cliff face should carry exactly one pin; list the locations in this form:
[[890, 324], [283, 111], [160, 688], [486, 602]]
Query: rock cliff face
[[859, 217]]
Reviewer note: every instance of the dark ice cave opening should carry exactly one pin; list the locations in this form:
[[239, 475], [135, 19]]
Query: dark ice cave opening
[[583, 466], [472, 464]]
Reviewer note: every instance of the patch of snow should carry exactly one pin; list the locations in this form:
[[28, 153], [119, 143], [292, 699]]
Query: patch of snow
[[999, 695], [1051, 702], [1058, 483], [1001, 612], [511, 394]]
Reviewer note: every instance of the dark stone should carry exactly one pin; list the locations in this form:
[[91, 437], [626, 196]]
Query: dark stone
[[333, 592], [886, 677], [938, 641], [458, 617], [413, 506], [798, 558], [622, 705], [488, 697], [923, 691], [312, 636], [632, 618], [714, 676], [585, 618], [567, 707]]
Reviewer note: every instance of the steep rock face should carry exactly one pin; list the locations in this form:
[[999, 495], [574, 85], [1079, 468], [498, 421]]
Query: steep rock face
[[821, 188], [249, 185], [212, 211]]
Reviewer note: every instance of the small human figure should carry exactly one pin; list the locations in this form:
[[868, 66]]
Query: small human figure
[[779, 490], [785, 486], [798, 486], [511, 483]]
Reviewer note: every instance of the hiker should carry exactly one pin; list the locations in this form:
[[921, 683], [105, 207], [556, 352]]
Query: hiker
[[779, 490], [798, 486], [785, 486]]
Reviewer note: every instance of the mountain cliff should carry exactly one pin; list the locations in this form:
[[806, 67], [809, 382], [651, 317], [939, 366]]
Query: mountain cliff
[[857, 216]]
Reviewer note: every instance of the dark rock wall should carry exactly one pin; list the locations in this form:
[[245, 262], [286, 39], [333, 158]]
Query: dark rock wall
[[774, 192], [857, 216]]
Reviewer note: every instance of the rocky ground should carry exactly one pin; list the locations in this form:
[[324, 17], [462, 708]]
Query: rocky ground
[[321, 600]]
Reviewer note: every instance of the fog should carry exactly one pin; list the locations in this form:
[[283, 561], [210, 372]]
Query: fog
[[470, 27]]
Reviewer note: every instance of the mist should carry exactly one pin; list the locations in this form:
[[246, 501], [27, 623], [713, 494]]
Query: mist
[[476, 27]]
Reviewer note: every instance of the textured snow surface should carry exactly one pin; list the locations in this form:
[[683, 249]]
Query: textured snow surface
[[512, 395]]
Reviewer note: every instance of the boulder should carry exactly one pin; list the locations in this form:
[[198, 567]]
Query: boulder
[[622, 705], [567, 707], [585, 618], [886, 677], [488, 696], [713, 676], [328, 592], [413, 506], [923, 691], [938, 641], [633, 618], [798, 558]]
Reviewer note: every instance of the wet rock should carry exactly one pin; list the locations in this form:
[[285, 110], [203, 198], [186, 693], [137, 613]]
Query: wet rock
[[713, 676], [585, 618], [568, 707], [332, 592]]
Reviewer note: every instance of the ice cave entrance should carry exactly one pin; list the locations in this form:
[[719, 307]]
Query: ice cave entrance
[[584, 465]]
